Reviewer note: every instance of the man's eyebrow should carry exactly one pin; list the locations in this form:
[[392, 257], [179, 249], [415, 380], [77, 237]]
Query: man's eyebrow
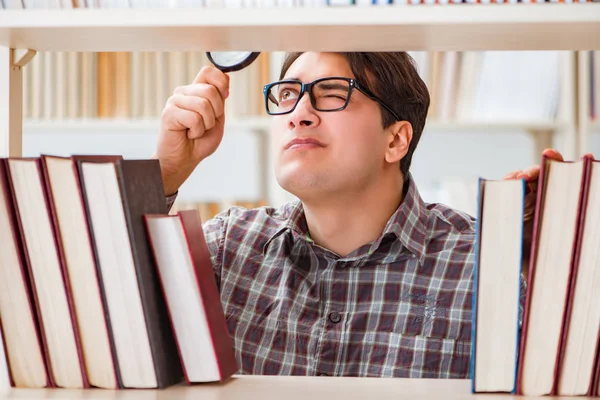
[[292, 78], [333, 85]]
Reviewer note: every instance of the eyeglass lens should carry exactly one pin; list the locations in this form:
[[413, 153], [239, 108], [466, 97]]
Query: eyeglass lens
[[330, 94]]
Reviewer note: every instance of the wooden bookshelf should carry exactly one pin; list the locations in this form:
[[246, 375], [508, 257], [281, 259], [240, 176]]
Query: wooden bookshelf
[[452, 27], [286, 387], [547, 26]]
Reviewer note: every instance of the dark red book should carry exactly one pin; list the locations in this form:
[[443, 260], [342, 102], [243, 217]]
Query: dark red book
[[117, 194], [75, 249], [24, 347], [50, 288], [190, 289], [581, 331], [561, 187]]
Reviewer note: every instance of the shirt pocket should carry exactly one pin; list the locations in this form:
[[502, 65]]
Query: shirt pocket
[[393, 354]]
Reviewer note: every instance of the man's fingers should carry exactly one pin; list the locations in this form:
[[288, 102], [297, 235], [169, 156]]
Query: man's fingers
[[180, 119], [199, 105], [553, 154], [196, 132], [528, 174], [531, 173], [512, 175], [200, 90], [215, 77]]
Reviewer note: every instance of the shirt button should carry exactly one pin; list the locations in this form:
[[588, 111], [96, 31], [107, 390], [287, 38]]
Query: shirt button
[[335, 317]]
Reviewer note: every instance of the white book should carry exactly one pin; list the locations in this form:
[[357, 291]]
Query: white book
[[497, 275], [46, 271], [4, 377]]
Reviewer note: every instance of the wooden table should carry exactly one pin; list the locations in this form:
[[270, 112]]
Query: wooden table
[[282, 388]]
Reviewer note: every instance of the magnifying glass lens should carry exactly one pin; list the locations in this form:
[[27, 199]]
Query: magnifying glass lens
[[228, 61]]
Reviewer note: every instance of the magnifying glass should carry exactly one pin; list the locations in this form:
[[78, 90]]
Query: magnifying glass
[[228, 61]]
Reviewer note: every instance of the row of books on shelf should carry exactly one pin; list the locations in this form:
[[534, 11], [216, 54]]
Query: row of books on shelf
[[100, 286], [544, 340], [483, 86], [594, 85], [94, 4], [73, 85], [464, 86]]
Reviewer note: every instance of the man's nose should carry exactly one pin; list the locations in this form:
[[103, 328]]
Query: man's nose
[[304, 114]]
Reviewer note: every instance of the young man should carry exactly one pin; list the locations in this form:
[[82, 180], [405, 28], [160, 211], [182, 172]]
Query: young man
[[361, 277]]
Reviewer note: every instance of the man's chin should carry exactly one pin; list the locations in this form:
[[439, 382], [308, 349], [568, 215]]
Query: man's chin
[[299, 183]]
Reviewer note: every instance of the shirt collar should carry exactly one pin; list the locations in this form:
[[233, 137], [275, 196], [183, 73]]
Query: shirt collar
[[408, 223], [292, 221]]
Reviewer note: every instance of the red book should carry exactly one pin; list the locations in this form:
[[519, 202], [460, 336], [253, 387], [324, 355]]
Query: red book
[[581, 331], [49, 281], [24, 346], [117, 195], [188, 282], [553, 251], [75, 248]]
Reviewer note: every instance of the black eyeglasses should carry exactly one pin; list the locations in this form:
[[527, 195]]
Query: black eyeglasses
[[326, 94]]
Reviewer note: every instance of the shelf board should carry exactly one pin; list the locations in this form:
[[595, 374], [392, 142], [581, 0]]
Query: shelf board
[[259, 124], [269, 387], [547, 26]]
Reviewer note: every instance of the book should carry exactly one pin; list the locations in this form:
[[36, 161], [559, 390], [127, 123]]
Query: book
[[76, 251], [577, 369], [497, 274], [117, 195], [190, 289], [24, 351], [553, 249], [51, 292]]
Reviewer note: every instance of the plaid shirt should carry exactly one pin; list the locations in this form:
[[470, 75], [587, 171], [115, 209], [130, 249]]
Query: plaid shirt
[[399, 306]]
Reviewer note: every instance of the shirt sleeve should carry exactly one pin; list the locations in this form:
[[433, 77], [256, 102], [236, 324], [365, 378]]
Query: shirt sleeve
[[171, 200], [522, 299], [214, 234]]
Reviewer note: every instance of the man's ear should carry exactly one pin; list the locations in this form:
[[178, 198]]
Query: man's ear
[[400, 136]]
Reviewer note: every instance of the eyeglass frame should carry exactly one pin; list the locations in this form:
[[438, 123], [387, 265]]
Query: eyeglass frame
[[307, 88]]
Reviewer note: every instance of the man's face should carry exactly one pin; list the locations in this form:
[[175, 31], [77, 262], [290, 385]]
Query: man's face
[[350, 144]]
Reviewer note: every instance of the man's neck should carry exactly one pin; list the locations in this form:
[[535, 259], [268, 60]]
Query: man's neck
[[348, 221]]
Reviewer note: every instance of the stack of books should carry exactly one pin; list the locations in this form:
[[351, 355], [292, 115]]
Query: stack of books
[[94, 4], [552, 347], [99, 285]]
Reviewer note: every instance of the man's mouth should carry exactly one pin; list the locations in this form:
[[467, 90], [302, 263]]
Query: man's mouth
[[303, 143]]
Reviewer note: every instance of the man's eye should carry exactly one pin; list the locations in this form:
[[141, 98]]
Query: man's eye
[[286, 95]]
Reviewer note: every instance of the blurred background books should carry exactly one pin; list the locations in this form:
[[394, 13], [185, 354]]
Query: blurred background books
[[491, 112]]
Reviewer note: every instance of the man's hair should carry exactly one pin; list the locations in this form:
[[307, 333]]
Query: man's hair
[[393, 77]]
